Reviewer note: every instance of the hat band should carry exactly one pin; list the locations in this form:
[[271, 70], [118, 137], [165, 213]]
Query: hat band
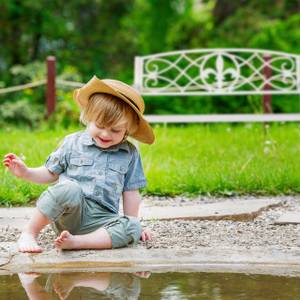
[[133, 103]]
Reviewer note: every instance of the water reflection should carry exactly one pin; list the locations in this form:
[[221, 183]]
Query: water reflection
[[143, 285], [82, 285]]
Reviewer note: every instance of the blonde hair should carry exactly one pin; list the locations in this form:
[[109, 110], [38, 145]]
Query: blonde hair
[[107, 111]]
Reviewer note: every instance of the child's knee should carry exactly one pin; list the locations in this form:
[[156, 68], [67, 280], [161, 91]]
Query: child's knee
[[60, 198], [66, 193], [126, 231]]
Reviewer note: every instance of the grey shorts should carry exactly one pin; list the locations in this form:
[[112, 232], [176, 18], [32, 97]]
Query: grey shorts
[[64, 204]]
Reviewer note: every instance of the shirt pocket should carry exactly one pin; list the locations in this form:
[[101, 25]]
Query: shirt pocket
[[80, 167], [115, 177]]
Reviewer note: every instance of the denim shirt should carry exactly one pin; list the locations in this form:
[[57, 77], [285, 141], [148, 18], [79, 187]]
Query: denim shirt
[[103, 174]]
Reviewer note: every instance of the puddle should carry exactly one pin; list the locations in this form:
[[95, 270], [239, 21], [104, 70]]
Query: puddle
[[144, 285]]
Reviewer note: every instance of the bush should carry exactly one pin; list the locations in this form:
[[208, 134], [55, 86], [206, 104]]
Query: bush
[[67, 111], [21, 113], [27, 107]]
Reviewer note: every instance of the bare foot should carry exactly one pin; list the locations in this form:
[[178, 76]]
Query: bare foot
[[63, 287], [28, 243], [27, 278], [65, 241], [143, 274]]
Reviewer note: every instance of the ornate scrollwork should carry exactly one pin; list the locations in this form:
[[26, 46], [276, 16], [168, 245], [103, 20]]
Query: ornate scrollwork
[[219, 71]]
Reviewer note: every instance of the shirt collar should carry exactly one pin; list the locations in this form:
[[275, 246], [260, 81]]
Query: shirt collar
[[87, 140]]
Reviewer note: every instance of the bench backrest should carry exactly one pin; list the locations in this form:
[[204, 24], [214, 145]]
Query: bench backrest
[[218, 72]]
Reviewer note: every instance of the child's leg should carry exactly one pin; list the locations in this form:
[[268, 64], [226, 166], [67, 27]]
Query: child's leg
[[99, 239], [32, 287], [27, 240], [63, 283], [62, 204], [119, 233]]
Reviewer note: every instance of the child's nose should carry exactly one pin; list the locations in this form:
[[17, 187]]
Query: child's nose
[[105, 133]]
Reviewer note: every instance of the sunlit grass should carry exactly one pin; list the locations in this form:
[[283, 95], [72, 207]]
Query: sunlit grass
[[207, 159], [224, 159]]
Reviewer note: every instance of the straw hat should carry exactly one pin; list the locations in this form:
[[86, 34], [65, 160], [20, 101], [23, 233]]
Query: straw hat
[[122, 91]]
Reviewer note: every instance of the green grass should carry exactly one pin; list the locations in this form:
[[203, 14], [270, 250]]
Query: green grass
[[224, 159], [206, 159]]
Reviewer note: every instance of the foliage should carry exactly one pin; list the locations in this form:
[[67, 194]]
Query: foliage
[[20, 113], [67, 111], [106, 35], [280, 34], [28, 106]]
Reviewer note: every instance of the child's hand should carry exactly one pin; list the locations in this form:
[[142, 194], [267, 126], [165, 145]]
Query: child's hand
[[15, 165], [146, 235], [143, 274]]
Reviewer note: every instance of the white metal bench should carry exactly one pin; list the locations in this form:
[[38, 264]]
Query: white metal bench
[[203, 72]]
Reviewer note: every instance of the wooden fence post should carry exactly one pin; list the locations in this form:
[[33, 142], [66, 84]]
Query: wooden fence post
[[267, 99], [51, 93]]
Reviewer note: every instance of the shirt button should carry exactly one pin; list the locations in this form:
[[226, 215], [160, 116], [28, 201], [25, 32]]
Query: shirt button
[[100, 173], [97, 193]]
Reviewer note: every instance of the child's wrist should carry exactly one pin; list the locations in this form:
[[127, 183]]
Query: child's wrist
[[27, 174]]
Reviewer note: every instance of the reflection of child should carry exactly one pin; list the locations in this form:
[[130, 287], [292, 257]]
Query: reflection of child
[[33, 289], [95, 284], [95, 168]]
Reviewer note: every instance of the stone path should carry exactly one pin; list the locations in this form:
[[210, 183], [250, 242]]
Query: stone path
[[289, 218], [260, 260], [225, 210]]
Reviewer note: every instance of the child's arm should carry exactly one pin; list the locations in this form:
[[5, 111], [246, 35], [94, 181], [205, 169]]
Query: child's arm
[[40, 175], [131, 206], [18, 168], [131, 203]]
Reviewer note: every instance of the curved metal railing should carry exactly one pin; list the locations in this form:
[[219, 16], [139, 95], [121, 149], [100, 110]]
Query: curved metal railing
[[218, 72]]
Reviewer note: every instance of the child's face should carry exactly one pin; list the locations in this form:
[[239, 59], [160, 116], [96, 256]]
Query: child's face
[[106, 137]]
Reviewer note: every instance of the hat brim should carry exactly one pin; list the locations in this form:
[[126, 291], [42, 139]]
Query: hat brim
[[144, 132]]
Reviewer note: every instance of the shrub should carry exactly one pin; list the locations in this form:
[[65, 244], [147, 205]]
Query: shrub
[[21, 113]]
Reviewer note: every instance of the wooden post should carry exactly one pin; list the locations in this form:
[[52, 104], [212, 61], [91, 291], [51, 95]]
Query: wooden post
[[267, 99], [51, 93]]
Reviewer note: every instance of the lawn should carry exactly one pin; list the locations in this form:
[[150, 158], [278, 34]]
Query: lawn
[[194, 159]]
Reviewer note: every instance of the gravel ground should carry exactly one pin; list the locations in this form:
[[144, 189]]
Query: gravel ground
[[181, 234]]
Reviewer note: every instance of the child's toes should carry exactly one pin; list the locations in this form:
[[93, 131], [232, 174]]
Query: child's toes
[[58, 241], [57, 244]]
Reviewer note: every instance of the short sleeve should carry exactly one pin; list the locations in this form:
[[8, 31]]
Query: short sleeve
[[57, 160], [135, 178]]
